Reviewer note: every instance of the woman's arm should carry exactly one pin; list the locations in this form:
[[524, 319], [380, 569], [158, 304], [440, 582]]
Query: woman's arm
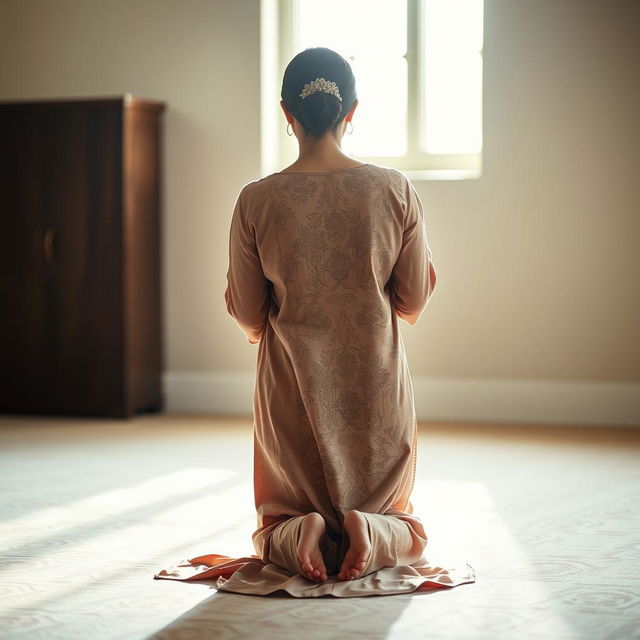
[[413, 278], [248, 292]]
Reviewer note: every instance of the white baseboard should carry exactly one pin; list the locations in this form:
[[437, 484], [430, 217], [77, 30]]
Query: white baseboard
[[446, 399]]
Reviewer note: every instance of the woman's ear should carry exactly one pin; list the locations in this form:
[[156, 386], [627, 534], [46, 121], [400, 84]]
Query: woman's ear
[[287, 115], [349, 115]]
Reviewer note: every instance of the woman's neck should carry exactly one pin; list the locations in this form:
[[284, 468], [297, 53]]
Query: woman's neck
[[322, 154]]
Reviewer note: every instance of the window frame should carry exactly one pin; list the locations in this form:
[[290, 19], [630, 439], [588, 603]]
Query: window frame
[[278, 19]]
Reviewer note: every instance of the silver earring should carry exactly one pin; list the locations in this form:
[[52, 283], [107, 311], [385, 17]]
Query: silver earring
[[350, 123], [288, 125]]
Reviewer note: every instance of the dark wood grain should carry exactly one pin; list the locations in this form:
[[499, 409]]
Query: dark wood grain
[[80, 262]]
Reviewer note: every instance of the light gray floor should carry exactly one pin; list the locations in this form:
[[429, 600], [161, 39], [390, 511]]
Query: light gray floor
[[91, 509]]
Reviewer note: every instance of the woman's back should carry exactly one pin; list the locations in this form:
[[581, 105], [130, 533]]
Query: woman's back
[[330, 245], [328, 241]]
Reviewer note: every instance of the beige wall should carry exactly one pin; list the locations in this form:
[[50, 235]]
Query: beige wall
[[537, 261]]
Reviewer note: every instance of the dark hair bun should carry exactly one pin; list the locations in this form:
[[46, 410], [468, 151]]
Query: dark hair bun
[[319, 111]]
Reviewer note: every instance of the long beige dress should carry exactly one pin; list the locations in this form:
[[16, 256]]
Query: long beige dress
[[321, 266]]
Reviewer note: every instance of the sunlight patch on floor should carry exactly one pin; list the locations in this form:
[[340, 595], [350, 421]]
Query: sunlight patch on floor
[[218, 522], [41, 524], [454, 513]]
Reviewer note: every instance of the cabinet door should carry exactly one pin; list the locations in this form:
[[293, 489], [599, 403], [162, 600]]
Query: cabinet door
[[83, 205], [142, 258], [22, 262]]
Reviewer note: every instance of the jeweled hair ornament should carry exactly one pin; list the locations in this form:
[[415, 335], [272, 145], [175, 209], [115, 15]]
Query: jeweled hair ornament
[[321, 84]]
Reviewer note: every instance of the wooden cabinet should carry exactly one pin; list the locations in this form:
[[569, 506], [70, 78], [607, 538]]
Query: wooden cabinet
[[80, 256]]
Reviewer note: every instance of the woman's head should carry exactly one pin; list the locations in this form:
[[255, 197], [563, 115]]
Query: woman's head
[[319, 111]]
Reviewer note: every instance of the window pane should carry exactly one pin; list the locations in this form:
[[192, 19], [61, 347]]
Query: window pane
[[453, 24], [452, 88], [453, 106], [372, 35], [353, 27], [380, 119]]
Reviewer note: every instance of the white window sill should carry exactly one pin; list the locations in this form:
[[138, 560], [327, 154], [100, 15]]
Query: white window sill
[[443, 174]]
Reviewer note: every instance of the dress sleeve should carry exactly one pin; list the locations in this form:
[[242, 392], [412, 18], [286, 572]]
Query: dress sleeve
[[248, 293], [413, 278]]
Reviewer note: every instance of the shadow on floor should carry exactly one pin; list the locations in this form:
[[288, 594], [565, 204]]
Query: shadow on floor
[[231, 615]]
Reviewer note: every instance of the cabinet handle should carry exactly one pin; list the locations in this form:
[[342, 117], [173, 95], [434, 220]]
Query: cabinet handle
[[47, 245]]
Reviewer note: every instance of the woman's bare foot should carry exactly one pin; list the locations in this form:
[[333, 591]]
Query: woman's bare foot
[[355, 526], [312, 529]]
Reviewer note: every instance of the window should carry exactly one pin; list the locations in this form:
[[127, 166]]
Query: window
[[418, 68]]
